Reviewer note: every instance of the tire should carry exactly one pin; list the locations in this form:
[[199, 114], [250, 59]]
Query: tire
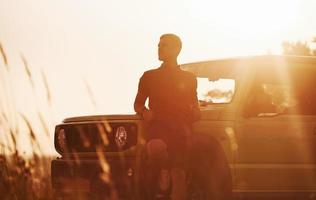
[[209, 172]]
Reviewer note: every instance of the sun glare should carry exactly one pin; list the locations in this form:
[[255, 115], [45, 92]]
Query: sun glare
[[249, 19]]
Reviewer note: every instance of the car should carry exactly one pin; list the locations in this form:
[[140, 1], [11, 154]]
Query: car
[[256, 136]]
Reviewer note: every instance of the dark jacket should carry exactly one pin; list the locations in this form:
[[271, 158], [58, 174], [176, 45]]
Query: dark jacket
[[171, 93]]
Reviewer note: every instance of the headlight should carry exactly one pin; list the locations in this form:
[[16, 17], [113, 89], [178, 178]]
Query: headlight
[[61, 141], [121, 137]]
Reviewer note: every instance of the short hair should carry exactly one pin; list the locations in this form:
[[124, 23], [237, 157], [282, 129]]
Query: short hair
[[175, 39]]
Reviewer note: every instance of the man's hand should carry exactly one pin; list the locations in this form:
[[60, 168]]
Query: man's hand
[[148, 115]]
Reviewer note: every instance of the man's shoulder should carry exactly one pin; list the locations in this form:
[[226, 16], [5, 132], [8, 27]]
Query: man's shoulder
[[150, 72], [188, 74]]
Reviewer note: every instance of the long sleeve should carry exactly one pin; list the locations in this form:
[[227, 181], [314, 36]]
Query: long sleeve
[[195, 113], [142, 94]]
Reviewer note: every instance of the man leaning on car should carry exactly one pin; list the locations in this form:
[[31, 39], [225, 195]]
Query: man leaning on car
[[173, 107]]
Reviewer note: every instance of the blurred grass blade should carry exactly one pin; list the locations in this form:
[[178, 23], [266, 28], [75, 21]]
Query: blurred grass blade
[[104, 165], [90, 93], [102, 131], [4, 146], [48, 93], [13, 139], [44, 124], [27, 69], [4, 56], [3, 114], [33, 138]]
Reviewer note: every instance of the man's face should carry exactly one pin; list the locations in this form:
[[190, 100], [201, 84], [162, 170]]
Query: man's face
[[166, 50]]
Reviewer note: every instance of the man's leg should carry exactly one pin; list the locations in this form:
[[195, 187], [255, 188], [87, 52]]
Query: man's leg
[[159, 173], [157, 150], [178, 156], [179, 187]]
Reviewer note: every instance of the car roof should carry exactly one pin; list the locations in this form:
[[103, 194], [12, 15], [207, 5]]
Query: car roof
[[232, 67], [272, 58]]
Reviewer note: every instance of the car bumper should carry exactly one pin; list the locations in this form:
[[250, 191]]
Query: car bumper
[[87, 177]]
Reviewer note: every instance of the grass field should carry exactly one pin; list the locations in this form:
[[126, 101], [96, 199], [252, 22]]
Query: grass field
[[26, 138]]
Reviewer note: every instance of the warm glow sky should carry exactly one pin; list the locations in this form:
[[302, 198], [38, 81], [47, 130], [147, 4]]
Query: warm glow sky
[[110, 43]]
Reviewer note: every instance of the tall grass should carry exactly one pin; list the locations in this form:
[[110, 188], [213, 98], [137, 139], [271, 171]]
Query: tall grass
[[24, 175], [21, 176]]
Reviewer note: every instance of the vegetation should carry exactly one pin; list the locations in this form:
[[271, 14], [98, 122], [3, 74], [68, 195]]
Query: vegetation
[[21, 176], [298, 48]]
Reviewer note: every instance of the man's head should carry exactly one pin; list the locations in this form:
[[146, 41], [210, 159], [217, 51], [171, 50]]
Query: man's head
[[169, 47]]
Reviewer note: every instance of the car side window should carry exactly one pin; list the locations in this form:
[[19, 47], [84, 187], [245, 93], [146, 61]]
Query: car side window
[[259, 102], [281, 96], [215, 91], [268, 99], [306, 98]]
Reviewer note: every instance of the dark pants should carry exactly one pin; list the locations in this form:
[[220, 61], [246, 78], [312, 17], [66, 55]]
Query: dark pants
[[174, 136], [167, 148]]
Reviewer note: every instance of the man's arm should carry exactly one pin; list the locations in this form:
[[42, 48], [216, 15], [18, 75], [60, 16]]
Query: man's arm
[[140, 100], [142, 94], [195, 113]]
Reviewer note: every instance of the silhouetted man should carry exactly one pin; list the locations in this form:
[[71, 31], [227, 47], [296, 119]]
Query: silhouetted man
[[173, 107]]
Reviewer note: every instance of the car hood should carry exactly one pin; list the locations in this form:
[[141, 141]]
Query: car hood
[[212, 113], [103, 118]]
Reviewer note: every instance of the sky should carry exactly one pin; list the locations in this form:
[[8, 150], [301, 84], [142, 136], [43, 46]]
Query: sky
[[102, 47]]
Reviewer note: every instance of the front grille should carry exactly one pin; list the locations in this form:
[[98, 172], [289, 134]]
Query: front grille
[[92, 137]]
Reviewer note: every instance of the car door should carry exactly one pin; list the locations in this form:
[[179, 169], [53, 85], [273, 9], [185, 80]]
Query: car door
[[276, 153], [276, 138]]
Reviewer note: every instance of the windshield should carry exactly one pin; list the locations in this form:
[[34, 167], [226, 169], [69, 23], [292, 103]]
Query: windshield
[[214, 92]]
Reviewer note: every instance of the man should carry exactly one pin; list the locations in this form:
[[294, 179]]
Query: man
[[173, 107]]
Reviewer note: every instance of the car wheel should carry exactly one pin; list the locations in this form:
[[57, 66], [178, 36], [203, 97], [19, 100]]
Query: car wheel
[[209, 173]]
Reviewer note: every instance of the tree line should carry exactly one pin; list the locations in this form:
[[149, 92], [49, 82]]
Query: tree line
[[299, 48]]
